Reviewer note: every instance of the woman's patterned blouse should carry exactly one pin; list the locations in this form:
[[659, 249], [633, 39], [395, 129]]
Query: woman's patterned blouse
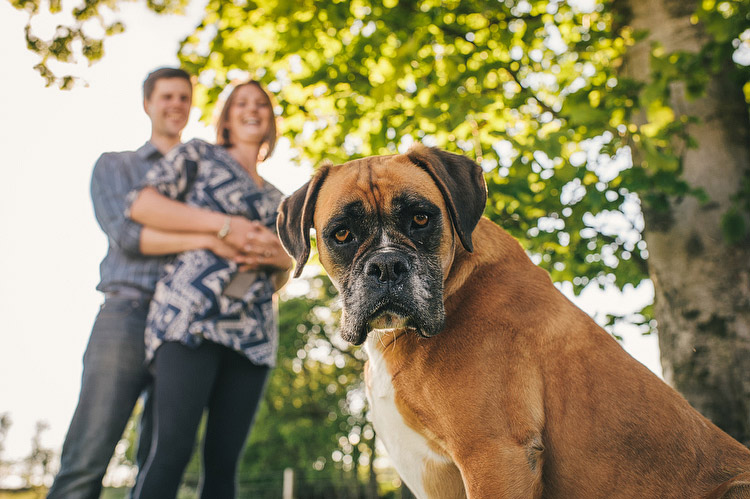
[[189, 305]]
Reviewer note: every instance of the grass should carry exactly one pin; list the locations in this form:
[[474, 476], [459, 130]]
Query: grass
[[23, 494], [120, 493]]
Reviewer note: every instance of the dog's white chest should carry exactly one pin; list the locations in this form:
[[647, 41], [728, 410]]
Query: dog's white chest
[[409, 451]]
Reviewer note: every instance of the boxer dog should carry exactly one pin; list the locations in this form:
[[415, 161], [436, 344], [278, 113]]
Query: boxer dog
[[484, 381]]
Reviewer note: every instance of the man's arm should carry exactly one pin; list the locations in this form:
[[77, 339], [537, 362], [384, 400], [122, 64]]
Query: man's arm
[[262, 248], [109, 187], [159, 242]]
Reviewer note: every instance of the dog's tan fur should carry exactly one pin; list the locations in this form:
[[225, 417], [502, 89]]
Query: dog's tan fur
[[522, 393]]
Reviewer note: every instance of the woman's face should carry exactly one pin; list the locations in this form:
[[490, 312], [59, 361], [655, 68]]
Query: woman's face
[[249, 117]]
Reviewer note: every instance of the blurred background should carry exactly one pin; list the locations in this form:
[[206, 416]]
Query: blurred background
[[613, 134]]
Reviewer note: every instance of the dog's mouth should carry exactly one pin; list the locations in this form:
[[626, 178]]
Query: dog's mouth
[[415, 308], [389, 315]]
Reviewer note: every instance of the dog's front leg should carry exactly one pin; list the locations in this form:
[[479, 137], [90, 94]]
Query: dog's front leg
[[506, 470]]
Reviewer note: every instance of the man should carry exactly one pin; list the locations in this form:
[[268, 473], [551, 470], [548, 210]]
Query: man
[[114, 372]]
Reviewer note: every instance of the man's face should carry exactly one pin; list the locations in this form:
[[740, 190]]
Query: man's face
[[169, 106]]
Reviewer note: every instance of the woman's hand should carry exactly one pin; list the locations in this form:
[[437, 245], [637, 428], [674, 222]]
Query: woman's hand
[[262, 249], [239, 228]]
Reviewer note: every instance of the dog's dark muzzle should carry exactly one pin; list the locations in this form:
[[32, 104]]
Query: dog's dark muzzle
[[393, 288]]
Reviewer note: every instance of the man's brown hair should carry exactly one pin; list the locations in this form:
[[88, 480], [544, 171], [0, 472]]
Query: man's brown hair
[[150, 82]]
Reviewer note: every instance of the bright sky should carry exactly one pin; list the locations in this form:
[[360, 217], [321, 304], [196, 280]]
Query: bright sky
[[51, 245]]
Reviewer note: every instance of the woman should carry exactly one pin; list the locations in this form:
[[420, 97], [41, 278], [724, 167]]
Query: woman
[[211, 342]]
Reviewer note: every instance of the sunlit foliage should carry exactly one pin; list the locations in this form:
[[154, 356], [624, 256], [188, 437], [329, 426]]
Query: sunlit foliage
[[531, 89]]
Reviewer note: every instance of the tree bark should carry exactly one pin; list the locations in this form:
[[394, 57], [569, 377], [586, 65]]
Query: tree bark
[[702, 284]]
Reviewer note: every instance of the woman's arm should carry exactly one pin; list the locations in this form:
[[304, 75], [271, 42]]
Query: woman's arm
[[159, 242], [157, 211]]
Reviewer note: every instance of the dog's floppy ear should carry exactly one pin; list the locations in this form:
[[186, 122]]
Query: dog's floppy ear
[[462, 184], [296, 219]]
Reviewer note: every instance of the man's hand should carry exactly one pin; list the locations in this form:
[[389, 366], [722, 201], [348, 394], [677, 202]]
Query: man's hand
[[222, 249]]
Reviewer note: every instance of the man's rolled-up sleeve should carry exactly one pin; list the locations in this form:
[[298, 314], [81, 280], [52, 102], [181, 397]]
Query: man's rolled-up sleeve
[[109, 188]]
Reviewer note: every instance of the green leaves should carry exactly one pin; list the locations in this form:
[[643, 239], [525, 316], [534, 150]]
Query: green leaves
[[533, 89], [733, 226], [71, 40]]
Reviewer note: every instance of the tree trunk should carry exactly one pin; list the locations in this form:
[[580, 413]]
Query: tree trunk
[[702, 284]]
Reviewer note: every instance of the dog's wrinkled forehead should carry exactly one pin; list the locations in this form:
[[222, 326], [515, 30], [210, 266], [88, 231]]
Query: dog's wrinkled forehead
[[449, 182], [374, 182]]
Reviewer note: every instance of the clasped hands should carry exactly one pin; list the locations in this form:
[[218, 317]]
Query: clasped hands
[[252, 245]]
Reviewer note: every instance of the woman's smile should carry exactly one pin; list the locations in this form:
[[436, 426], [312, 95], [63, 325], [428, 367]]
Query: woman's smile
[[249, 116]]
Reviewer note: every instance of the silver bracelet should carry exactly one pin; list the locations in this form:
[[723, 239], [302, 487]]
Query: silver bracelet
[[224, 231]]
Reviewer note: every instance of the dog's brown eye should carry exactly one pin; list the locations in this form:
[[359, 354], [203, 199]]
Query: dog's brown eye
[[420, 219], [342, 235]]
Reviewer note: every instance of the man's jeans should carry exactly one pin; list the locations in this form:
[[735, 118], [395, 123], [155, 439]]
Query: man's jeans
[[114, 375]]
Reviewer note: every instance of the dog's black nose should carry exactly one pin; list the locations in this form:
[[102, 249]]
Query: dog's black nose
[[388, 267]]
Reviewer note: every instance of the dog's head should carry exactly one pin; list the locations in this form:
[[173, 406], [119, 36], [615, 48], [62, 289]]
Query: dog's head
[[386, 230]]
